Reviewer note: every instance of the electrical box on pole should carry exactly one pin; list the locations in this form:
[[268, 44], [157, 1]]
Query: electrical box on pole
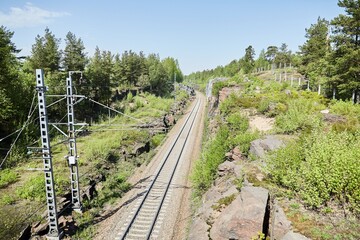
[[72, 157], [54, 232]]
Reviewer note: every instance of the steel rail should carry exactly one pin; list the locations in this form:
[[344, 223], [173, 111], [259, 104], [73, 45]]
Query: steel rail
[[171, 177], [164, 161]]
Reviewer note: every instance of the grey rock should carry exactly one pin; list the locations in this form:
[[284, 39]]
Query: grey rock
[[199, 230], [281, 225], [226, 168], [243, 218], [259, 147], [294, 236]]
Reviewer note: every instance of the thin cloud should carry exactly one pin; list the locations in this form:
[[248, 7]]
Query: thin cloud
[[28, 16]]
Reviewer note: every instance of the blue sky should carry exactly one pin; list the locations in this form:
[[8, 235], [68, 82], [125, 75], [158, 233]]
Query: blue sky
[[200, 34]]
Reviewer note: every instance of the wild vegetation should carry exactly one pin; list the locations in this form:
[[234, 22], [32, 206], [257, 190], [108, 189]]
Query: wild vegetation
[[318, 169], [105, 157], [319, 165], [134, 84], [106, 78]]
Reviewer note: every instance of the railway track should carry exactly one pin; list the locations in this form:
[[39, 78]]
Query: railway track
[[147, 216]]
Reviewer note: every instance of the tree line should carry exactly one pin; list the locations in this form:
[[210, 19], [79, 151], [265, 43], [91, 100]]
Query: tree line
[[330, 56], [103, 75]]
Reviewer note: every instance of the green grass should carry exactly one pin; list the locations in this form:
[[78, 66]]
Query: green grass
[[100, 155], [7, 176], [205, 170], [34, 189]]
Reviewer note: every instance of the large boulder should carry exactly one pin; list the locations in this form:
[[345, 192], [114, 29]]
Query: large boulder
[[244, 217], [259, 147], [281, 224], [199, 230]]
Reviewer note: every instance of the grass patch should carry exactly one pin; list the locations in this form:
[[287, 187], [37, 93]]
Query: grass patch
[[7, 177], [206, 168], [32, 190], [157, 139]]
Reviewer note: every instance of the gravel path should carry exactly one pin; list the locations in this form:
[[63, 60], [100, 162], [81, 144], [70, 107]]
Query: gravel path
[[177, 214]]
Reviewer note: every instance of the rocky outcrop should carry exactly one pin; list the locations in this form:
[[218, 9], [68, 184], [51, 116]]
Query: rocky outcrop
[[294, 236], [140, 148], [231, 210], [226, 91], [259, 147], [234, 155], [244, 217], [230, 168], [280, 225]]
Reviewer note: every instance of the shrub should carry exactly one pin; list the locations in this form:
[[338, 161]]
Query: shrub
[[301, 114], [7, 200], [243, 140], [217, 86], [129, 97], [321, 167], [206, 168], [233, 102], [237, 122], [346, 108], [157, 139], [284, 165]]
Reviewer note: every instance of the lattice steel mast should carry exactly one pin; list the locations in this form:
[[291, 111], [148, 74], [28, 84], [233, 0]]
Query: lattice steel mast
[[54, 232], [72, 157]]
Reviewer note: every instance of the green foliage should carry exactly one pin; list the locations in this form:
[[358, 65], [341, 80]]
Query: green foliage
[[206, 168], [237, 122], [7, 177], [259, 236], [239, 182], [7, 200], [321, 167], [301, 114], [217, 86], [172, 69], [345, 57], [45, 53], [74, 55], [86, 229], [157, 139], [345, 108], [284, 165], [243, 140], [34, 189], [129, 97], [233, 102]]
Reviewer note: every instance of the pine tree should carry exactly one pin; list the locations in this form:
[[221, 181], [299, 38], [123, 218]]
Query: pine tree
[[45, 53], [271, 53], [283, 56], [315, 53], [346, 55], [247, 62], [15, 92], [74, 55]]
